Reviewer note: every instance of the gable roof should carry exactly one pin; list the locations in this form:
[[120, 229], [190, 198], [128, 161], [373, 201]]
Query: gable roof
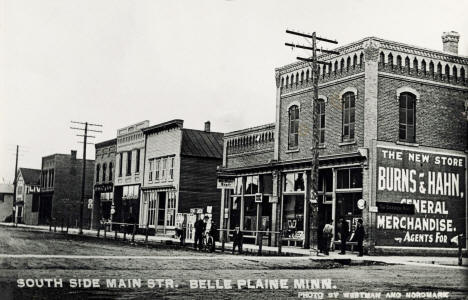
[[31, 176], [202, 144]]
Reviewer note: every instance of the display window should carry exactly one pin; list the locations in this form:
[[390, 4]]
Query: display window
[[293, 215], [294, 182]]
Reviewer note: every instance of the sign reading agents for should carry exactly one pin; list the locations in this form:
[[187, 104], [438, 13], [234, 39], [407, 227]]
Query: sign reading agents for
[[430, 182]]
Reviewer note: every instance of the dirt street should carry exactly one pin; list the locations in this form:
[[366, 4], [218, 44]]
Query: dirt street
[[173, 273]]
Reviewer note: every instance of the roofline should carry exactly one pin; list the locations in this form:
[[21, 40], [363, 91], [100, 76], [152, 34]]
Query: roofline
[[216, 132], [249, 129], [106, 143], [163, 126], [361, 41]]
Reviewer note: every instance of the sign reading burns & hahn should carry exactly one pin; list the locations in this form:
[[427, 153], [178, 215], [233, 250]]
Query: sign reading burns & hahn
[[432, 182]]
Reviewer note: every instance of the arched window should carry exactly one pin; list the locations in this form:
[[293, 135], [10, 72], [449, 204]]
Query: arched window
[[348, 63], [354, 61], [307, 75], [407, 65], [407, 131], [321, 120], [336, 66], [104, 170], [447, 72], [287, 81], [455, 75], [382, 59], [361, 60], [390, 60], [462, 74], [398, 62], [349, 104], [98, 169], [423, 66], [293, 140], [431, 69], [341, 65], [282, 82], [415, 66], [439, 70], [292, 80], [302, 77]]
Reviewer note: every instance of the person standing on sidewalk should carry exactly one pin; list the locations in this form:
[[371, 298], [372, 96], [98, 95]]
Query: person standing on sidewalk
[[200, 227], [327, 236], [359, 236], [237, 238], [344, 231]]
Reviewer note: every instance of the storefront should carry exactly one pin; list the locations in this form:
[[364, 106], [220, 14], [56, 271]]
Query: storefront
[[159, 208], [104, 201], [126, 203]]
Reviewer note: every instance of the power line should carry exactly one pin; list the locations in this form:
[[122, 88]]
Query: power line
[[83, 176], [313, 62]]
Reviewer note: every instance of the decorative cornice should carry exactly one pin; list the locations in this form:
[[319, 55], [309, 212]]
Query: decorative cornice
[[270, 126], [424, 81]]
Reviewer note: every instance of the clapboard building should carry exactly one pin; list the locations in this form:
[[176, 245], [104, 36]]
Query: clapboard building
[[180, 174], [28, 182], [392, 130]]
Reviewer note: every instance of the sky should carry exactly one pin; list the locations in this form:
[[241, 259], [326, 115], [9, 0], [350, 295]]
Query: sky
[[116, 63]]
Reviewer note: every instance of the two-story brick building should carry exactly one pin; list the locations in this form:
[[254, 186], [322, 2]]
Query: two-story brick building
[[28, 184], [60, 195], [180, 173], [392, 129], [104, 181], [129, 172]]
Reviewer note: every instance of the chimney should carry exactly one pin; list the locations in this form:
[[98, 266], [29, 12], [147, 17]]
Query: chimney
[[207, 126], [450, 42], [73, 154]]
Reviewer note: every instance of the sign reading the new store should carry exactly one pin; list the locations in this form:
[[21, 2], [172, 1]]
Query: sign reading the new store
[[420, 197], [226, 183]]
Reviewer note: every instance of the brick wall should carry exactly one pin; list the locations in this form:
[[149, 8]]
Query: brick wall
[[333, 121], [440, 121]]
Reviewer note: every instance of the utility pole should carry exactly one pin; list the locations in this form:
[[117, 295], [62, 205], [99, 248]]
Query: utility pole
[[313, 62], [14, 187], [83, 175]]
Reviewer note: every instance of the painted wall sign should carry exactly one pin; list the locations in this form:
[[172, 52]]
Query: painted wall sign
[[431, 182]]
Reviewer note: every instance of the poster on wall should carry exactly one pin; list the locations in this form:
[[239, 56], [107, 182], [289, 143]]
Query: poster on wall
[[434, 183]]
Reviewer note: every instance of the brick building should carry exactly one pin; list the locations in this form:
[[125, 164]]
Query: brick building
[[60, 196], [104, 180], [27, 196], [129, 172], [180, 174], [393, 130]]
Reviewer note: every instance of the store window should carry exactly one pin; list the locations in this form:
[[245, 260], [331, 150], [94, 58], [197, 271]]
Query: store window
[[349, 178], [236, 203], [106, 203], [130, 192], [349, 103], [293, 216], [250, 215], [294, 182], [407, 118], [293, 140], [151, 198], [161, 207], [171, 209], [251, 185]]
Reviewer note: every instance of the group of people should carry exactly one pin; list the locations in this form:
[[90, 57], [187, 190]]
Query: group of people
[[325, 236], [200, 232]]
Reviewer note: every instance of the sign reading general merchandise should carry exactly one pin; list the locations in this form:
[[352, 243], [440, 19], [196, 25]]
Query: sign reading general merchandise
[[431, 181]]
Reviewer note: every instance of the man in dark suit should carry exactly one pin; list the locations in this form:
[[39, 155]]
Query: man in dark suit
[[359, 234], [344, 231], [200, 227], [237, 238]]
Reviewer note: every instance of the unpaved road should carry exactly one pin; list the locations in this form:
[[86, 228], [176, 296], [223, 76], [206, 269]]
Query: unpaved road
[[181, 266]]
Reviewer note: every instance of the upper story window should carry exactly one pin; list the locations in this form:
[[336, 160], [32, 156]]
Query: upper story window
[[129, 163], [120, 164], [407, 128], [104, 170], [151, 168], [321, 120], [137, 161], [111, 171], [349, 103], [171, 168], [293, 140], [98, 170]]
